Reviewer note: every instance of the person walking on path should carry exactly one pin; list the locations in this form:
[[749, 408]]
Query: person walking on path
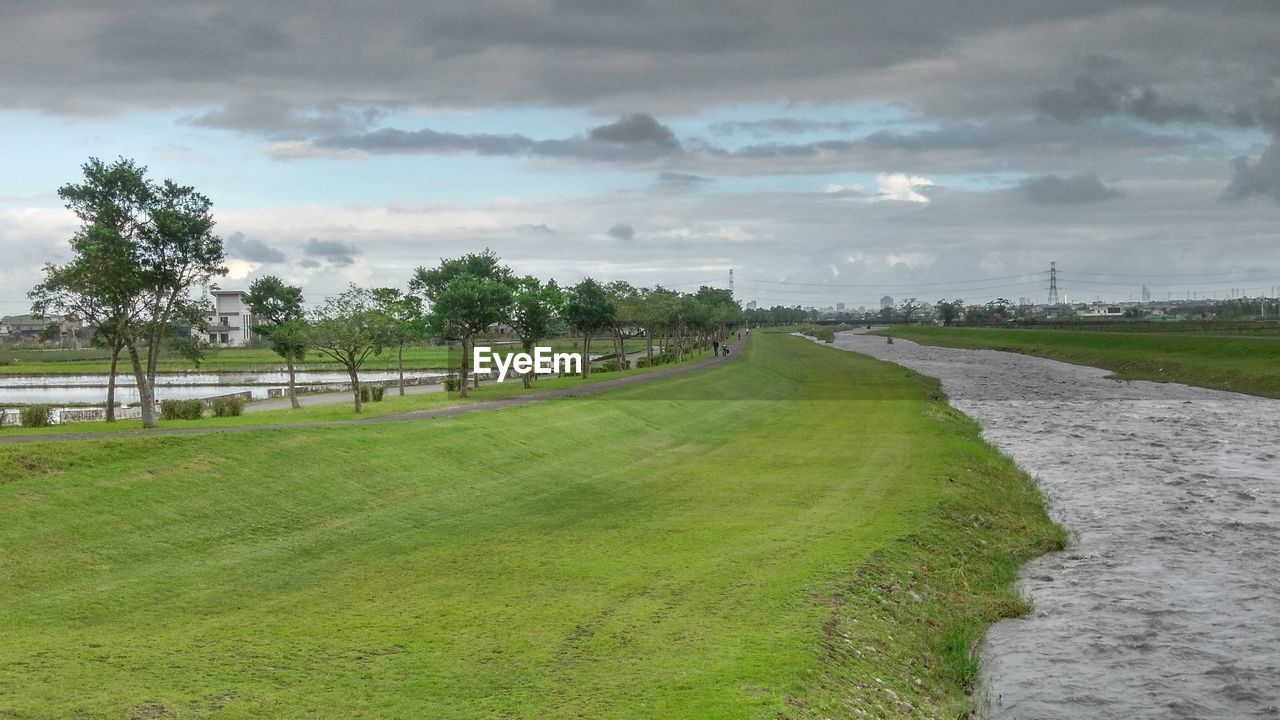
[[715, 347]]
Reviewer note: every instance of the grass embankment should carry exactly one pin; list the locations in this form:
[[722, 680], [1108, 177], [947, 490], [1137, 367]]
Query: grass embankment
[[14, 361], [793, 535], [1242, 365]]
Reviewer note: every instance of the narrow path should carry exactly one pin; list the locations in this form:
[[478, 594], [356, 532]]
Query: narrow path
[[427, 414], [1165, 603]]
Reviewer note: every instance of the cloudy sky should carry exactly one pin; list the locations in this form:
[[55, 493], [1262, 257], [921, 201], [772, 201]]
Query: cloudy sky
[[826, 150]]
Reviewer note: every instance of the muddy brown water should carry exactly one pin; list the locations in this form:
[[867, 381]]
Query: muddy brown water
[[1166, 604]]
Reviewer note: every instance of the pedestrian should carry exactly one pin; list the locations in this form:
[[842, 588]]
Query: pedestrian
[[739, 334], [715, 347], [726, 349]]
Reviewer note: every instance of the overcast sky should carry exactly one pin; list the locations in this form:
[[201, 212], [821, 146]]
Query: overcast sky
[[826, 150]]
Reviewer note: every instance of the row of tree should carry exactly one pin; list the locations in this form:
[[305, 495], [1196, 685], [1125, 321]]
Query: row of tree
[[464, 298], [143, 248]]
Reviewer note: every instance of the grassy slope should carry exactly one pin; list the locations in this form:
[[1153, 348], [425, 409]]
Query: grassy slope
[[94, 360], [1242, 365], [741, 542]]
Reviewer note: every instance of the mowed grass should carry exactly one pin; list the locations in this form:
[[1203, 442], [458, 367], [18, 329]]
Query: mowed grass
[[1247, 365], [791, 535]]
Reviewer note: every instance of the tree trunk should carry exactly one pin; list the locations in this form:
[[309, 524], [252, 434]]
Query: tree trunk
[[462, 370], [146, 399], [355, 384], [293, 393], [648, 344], [111, 383], [400, 362], [586, 354], [528, 377]]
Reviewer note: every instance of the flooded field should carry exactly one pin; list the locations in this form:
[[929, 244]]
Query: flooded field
[[1166, 603], [68, 389]]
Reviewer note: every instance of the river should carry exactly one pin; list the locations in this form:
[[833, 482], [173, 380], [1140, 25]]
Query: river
[[1166, 604], [92, 388]]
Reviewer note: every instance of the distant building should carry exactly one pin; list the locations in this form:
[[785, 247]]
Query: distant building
[[839, 307], [886, 302], [25, 328], [1102, 311], [751, 305], [231, 324]]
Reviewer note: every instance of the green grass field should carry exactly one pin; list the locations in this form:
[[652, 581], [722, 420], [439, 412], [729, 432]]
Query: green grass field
[[1247, 365], [790, 535], [15, 361]]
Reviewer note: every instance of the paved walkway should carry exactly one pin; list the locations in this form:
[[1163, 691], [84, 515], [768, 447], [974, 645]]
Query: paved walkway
[[427, 414]]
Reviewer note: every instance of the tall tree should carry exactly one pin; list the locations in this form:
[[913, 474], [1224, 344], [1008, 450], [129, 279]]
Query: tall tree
[[626, 318], [466, 307], [533, 313], [589, 309], [154, 244], [176, 252], [349, 328], [949, 311], [466, 295], [278, 309], [407, 322]]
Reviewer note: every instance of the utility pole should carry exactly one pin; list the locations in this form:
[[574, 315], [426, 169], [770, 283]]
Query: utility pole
[[731, 282], [1053, 282]]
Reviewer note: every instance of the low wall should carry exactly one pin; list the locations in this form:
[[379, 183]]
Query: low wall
[[280, 392]]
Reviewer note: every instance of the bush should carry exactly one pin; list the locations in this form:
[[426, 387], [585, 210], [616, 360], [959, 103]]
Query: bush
[[364, 393], [34, 416], [607, 366], [451, 384], [181, 409], [376, 392], [228, 406]]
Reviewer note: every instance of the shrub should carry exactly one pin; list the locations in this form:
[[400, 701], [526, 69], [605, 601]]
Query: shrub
[[364, 393], [376, 392], [181, 409], [607, 366], [228, 406], [451, 384], [34, 416]]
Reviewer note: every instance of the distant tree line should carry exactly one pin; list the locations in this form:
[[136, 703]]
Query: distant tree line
[[143, 248]]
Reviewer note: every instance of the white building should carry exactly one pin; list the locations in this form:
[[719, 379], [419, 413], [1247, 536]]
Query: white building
[[231, 325]]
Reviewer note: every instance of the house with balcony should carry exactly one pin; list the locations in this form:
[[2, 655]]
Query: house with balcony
[[231, 324]]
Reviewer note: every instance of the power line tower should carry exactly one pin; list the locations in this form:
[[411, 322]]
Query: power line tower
[[1053, 283], [731, 283]]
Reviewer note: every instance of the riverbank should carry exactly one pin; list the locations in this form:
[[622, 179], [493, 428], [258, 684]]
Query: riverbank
[[1162, 607], [1246, 365], [758, 539]]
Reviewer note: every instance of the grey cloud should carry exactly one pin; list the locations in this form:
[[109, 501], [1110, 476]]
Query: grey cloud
[[1260, 177], [336, 252], [636, 128], [251, 249], [309, 264], [681, 181], [539, 229], [1071, 189], [276, 118], [782, 126], [1089, 98], [635, 137], [178, 45], [622, 231]]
